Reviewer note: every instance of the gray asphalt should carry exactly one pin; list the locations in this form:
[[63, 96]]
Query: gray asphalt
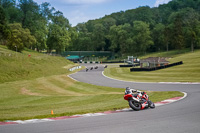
[[179, 117]]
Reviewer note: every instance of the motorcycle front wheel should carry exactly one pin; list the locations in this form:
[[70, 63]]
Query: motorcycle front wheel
[[134, 105], [151, 104]]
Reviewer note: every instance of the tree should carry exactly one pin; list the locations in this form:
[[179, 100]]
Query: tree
[[46, 11], [177, 38], [84, 41], [107, 23], [141, 36], [20, 38], [41, 36], [113, 36], [125, 40], [191, 26], [13, 14], [144, 14], [73, 40], [81, 27], [35, 19], [184, 27], [30, 11], [58, 36], [98, 37], [158, 37], [4, 29], [167, 37], [121, 40]]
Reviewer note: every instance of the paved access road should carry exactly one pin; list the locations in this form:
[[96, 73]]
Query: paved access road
[[178, 117]]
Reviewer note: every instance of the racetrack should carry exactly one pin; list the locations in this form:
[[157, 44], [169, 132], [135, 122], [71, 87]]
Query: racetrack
[[178, 117]]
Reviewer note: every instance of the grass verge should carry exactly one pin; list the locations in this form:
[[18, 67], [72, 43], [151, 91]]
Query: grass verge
[[36, 98], [189, 71]]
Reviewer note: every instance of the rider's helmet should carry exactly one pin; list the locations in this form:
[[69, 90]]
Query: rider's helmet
[[128, 90]]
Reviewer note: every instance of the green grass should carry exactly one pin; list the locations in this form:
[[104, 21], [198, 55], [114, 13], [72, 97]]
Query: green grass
[[19, 66], [189, 71], [36, 98], [30, 87]]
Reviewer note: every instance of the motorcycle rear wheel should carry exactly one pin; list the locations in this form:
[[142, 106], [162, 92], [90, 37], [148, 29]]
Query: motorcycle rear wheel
[[134, 105]]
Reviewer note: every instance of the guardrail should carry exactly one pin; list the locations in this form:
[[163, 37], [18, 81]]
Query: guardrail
[[112, 61], [74, 68], [156, 68], [129, 65]]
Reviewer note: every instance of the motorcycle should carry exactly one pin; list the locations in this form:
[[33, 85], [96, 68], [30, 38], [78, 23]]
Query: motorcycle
[[139, 100], [86, 69]]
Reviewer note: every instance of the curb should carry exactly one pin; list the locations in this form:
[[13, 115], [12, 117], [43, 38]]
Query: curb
[[171, 100], [164, 102]]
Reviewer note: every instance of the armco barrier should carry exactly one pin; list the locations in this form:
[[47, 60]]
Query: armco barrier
[[129, 65], [74, 68], [125, 65], [112, 61], [156, 68], [105, 62]]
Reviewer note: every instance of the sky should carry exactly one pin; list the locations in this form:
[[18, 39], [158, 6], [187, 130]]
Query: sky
[[79, 11]]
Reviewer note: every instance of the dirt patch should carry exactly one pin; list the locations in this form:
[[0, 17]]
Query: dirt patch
[[24, 91]]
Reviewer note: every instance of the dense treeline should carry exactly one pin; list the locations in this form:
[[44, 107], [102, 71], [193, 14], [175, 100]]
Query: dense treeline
[[175, 25], [27, 24]]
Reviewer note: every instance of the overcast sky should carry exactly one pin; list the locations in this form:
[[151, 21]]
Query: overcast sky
[[78, 11]]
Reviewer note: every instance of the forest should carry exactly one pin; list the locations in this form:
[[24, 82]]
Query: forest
[[172, 26]]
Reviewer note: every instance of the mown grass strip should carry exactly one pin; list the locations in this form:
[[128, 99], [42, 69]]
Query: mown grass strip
[[35, 98]]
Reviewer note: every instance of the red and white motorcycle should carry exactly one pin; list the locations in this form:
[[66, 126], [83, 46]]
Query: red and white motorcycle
[[137, 99]]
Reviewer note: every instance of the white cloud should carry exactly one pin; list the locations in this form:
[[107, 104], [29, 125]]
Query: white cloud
[[159, 2], [78, 16], [74, 2], [84, 1]]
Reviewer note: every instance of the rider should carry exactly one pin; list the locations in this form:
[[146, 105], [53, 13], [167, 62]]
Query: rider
[[134, 92]]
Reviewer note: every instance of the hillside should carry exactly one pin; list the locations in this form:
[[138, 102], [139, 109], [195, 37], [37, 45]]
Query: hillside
[[30, 65]]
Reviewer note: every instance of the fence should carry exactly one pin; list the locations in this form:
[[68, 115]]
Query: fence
[[112, 61], [129, 65], [74, 68], [88, 53], [156, 68]]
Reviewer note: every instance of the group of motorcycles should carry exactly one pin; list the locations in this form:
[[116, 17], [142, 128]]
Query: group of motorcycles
[[96, 67], [138, 100]]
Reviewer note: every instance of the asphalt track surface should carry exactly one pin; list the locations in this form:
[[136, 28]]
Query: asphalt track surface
[[179, 117]]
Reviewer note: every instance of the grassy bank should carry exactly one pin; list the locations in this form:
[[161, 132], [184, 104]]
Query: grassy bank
[[188, 72], [30, 65]]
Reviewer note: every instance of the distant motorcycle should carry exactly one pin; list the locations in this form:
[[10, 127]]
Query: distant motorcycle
[[138, 100]]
